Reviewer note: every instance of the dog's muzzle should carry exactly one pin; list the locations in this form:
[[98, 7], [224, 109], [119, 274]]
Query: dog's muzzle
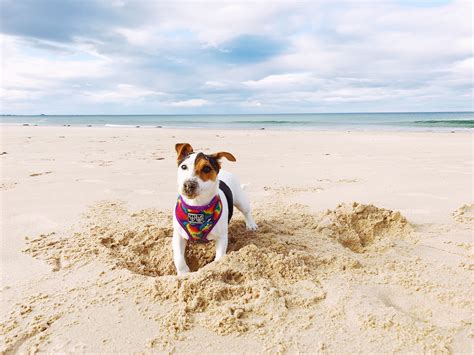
[[190, 187]]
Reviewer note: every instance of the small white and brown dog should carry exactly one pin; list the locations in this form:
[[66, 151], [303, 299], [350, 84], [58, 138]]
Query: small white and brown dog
[[205, 203]]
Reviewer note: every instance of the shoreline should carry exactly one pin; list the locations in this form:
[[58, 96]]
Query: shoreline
[[367, 129]]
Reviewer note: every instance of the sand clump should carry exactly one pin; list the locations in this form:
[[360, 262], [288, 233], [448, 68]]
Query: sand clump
[[245, 291], [139, 242], [464, 214], [358, 226]]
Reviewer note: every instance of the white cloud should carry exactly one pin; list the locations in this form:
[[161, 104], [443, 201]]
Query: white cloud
[[13, 95], [252, 103], [190, 103], [122, 93], [214, 84], [42, 72], [280, 80]]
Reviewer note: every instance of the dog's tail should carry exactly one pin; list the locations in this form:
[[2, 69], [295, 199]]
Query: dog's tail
[[244, 186]]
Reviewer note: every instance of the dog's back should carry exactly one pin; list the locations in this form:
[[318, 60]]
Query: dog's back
[[241, 200]]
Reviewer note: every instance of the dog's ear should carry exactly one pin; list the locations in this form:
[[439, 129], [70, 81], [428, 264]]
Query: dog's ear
[[183, 149], [226, 155]]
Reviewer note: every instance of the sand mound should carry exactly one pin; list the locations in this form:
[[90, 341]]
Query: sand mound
[[357, 226], [246, 290], [139, 242], [111, 234], [464, 214]]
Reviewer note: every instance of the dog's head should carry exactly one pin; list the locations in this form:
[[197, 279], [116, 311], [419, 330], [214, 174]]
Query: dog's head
[[197, 172]]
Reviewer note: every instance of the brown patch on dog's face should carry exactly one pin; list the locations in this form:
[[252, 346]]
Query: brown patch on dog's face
[[206, 167], [183, 150]]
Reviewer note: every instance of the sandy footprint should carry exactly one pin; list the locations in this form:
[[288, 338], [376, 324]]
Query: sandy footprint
[[91, 181], [397, 319], [7, 185], [283, 190]]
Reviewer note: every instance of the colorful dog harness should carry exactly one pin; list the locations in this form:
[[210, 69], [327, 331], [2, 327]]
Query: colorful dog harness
[[198, 221]]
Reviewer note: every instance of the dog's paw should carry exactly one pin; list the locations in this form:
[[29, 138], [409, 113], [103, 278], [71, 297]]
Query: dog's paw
[[183, 272], [251, 226]]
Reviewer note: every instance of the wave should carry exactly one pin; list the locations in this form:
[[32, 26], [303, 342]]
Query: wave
[[273, 122], [224, 122], [448, 123]]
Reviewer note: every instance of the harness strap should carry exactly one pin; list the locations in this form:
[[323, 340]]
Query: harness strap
[[228, 196]]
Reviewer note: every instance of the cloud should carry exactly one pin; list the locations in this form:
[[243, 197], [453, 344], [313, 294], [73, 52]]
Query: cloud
[[190, 103], [122, 93], [145, 56], [214, 84], [30, 75], [284, 81], [253, 103], [63, 20]]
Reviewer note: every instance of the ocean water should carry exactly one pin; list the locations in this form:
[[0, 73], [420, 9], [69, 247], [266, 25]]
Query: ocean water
[[321, 121]]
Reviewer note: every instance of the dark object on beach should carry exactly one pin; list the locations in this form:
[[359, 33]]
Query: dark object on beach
[[159, 158], [89, 125], [66, 125], [453, 131], [39, 174], [263, 128], [137, 126], [3, 153], [158, 127], [25, 124], [35, 125]]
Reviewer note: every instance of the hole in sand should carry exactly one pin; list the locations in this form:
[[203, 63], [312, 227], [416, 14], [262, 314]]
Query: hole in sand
[[141, 241]]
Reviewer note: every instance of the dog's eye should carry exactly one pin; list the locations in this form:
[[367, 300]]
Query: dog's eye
[[184, 166], [206, 169]]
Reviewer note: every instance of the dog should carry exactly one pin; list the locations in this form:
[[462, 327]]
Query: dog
[[206, 198]]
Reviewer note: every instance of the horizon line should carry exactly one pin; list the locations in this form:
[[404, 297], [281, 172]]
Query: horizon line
[[232, 114]]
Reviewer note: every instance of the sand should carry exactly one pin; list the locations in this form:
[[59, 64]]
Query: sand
[[349, 257]]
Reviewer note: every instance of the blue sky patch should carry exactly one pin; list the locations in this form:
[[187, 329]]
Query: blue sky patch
[[249, 49]]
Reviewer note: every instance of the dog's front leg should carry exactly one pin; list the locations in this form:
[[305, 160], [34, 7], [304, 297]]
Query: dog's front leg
[[179, 246], [221, 246]]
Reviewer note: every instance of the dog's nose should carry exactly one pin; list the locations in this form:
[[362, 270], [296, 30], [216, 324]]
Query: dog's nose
[[190, 185]]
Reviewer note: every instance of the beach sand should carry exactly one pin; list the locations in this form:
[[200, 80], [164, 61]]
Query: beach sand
[[364, 243]]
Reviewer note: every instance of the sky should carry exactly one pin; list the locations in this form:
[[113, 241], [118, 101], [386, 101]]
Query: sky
[[224, 57]]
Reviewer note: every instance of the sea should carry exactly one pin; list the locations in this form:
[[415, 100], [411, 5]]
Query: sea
[[414, 121]]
